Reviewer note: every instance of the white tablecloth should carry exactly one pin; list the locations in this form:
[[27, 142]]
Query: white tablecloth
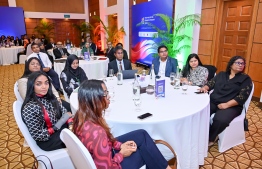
[[181, 120], [94, 69], [76, 51], [9, 55]]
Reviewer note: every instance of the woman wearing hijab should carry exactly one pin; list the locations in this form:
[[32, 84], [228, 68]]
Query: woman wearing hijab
[[72, 75]]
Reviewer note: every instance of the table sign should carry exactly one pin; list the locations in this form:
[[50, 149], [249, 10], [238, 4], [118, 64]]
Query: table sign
[[160, 88]]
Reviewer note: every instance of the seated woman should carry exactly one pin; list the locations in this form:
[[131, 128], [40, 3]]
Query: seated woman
[[231, 90], [129, 151], [72, 75], [33, 65], [87, 48], [82, 44], [194, 72], [43, 115]]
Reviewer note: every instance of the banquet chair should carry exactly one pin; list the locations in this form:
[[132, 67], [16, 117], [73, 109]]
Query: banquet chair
[[22, 59], [17, 94], [234, 134], [78, 152], [59, 159]]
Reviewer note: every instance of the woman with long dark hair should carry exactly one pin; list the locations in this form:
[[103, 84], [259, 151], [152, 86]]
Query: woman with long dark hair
[[43, 114], [231, 90], [194, 72], [72, 75], [33, 65], [129, 151]]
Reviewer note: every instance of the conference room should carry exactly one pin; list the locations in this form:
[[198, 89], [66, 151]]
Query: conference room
[[131, 84]]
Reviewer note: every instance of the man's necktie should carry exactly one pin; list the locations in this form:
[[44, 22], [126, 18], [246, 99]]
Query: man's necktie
[[41, 62], [120, 66], [61, 51]]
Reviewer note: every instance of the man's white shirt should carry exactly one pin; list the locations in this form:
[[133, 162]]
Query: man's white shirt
[[44, 58]]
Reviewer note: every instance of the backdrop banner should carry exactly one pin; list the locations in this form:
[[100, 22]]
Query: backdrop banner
[[142, 35]]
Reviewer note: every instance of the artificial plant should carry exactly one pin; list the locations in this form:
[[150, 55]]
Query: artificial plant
[[83, 28], [45, 28]]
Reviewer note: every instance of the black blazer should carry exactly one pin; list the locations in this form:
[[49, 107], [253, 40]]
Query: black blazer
[[110, 54], [113, 65], [49, 46], [58, 54], [94, 48], [19, 42]]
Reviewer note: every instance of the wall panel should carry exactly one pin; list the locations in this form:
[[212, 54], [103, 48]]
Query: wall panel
[[259, 13], [205, 47], [256, 53], [208, 16], [255, 70], [4, 3], [205, 59], [111, 2], [206, 32], [59, 6], [258, 89], [208, 4], [258, 33]]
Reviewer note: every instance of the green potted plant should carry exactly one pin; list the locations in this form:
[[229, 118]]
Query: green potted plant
[[113, 34], [84, 28], [45, 28], [172, 36]]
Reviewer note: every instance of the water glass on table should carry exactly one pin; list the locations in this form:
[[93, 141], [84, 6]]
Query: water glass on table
[[111, 73], [172, 78], [184, 87]]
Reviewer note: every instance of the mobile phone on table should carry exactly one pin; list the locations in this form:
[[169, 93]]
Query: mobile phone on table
[[199, 92], [143, 116]]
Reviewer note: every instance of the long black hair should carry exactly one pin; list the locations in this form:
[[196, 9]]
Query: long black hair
[[27, 72], [187, 67], [31, 95], [231, 62]]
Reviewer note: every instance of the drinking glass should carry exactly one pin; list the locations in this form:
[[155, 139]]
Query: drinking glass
[[137, 102], [111, 73], [184, 87], [150, 89], [111, 92], [172, 78]]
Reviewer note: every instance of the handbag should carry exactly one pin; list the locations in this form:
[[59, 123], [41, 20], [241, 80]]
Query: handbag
[[245, 120]]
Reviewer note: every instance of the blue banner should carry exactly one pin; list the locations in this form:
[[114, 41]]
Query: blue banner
[[142, 36]]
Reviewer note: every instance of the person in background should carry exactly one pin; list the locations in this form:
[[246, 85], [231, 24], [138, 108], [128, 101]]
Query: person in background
[[50, 45], [72, 75], [194, 72], [163, 64], [25, 43], [33, 65], [42, 49], [110, 52], [68, 42], [33, 36], [125, 53], [43, 114], [82, 44], [129, 151], [17, 41], [60, 52], [43, 39], [47, 66], [87, 48], [93, 46], [231, 89], [119, 63]]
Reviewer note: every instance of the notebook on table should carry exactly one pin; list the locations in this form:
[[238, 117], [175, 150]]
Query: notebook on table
[[129, 74]]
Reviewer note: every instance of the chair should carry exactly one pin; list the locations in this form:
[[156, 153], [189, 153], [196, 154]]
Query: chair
[[77, 151], [22, 59], [17, 94], [211, 71], [59, 158], [234, 134]]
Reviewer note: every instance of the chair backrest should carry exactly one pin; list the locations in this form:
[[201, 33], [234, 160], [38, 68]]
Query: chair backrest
[[211, 71], [77, 151], [28, 50], [23, 128], [246, 105], [17, 94]]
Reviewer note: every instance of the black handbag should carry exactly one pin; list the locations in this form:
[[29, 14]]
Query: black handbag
[[245, 120]]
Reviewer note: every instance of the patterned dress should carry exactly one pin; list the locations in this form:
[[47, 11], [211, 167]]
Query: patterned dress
[[198, 76]]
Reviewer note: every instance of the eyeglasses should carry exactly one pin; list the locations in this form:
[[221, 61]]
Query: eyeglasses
[[240, 63], [106, 94], [163, 51]]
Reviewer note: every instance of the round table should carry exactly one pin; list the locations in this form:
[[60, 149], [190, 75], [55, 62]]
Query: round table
[[181, 120], [94, 69], [9, 55]]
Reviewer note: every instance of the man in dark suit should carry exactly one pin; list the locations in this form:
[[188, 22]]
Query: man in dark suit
[[110, 52], [163, 64], [119, 63], [50, 45], [43, 39], [125, 53], [60, 52]]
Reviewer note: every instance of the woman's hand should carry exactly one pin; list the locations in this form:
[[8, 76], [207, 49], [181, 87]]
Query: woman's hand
[[223, 106], [128, 148], [204, 89], [70, 114]]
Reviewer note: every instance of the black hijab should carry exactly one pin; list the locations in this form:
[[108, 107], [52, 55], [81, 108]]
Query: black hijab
[[69, 71]]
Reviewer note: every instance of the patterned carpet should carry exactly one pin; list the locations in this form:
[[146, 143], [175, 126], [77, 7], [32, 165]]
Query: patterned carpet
[[13, 155]]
